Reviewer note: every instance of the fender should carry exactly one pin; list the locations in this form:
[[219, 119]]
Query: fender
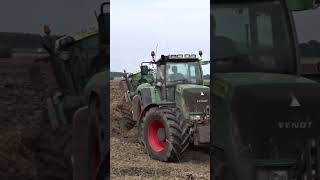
[[148, 96], [145, 110], [97, 86], [137, 110]]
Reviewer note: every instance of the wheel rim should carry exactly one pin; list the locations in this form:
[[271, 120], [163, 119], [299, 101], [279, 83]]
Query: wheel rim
[[156, 143]]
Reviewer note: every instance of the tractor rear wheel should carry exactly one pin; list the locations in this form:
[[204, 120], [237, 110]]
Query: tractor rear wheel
[[88, 164], [165, 135], [94, 145]]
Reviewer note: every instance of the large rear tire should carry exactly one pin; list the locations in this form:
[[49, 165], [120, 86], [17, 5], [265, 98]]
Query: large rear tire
[[86, 147], [165, 134], [94, 148]]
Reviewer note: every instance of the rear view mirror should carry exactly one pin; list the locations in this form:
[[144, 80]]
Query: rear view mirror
[[104, 22], [300, 5], [144, 70]]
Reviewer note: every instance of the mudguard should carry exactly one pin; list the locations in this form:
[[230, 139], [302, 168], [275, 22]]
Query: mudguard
[[97, 85], [148, 96]]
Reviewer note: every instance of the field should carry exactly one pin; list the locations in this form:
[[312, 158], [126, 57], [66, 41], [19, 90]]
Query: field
[[29, 148], [128, 159]]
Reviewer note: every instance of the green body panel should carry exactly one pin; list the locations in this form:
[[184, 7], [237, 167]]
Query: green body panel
[[153, 92], [298, 5], [142, 86], [223, 89], [180, 101], [225, 82]]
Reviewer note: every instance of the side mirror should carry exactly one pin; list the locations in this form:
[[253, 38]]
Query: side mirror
[[104, 22], [300, 5], [144, 70]]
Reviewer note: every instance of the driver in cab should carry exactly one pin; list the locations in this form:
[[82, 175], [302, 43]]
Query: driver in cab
[[175, 76]]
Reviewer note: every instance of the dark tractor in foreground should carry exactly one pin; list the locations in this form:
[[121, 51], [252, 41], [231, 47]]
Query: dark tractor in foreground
[[266, 116], [77, 94], [171, 106]]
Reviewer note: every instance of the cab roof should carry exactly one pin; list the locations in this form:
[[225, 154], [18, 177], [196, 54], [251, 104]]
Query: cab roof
[[178, 58], [86, 32]]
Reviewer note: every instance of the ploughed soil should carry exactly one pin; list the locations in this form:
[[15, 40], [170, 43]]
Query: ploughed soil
[[130, 161], [29, 148]]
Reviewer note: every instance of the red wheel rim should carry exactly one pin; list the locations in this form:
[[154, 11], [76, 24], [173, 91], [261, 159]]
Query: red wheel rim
[[95, 159], [155, 143]]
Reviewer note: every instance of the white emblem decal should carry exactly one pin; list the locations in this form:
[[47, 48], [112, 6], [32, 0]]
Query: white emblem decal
[[294, 101], [201, 93]]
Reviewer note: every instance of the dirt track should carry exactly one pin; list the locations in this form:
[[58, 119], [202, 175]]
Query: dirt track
[[129, 161], [29, 149]]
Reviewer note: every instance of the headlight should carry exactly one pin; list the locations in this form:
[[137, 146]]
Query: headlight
[[272, 175], [195, 117]]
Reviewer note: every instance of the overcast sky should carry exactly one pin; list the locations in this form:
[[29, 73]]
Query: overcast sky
[[64, 16], [308, 25], [176, 26], [137, 27]]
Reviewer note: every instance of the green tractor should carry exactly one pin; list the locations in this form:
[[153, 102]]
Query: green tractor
[[265, 122], [171, 106], [75, 83]]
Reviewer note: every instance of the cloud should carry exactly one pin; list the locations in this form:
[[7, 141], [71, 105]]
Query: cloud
[[176, 26], [182, 4]]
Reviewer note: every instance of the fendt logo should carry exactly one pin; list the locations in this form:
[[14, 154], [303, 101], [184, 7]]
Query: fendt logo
[[295, 125], [201, 93], [294, 101]]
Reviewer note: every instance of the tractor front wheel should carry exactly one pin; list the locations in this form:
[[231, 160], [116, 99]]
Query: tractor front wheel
[[164, 134]]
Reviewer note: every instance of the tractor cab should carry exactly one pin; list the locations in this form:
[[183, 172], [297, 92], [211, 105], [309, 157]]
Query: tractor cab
[[173, 70], [266, 118], [260, 38]]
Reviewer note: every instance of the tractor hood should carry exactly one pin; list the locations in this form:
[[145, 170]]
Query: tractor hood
[[274, 113], [238, 79], [192, 99], [226, 83]]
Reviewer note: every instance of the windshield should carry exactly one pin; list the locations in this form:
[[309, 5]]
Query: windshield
[[251, 37], [308, 29], [186, 72]]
